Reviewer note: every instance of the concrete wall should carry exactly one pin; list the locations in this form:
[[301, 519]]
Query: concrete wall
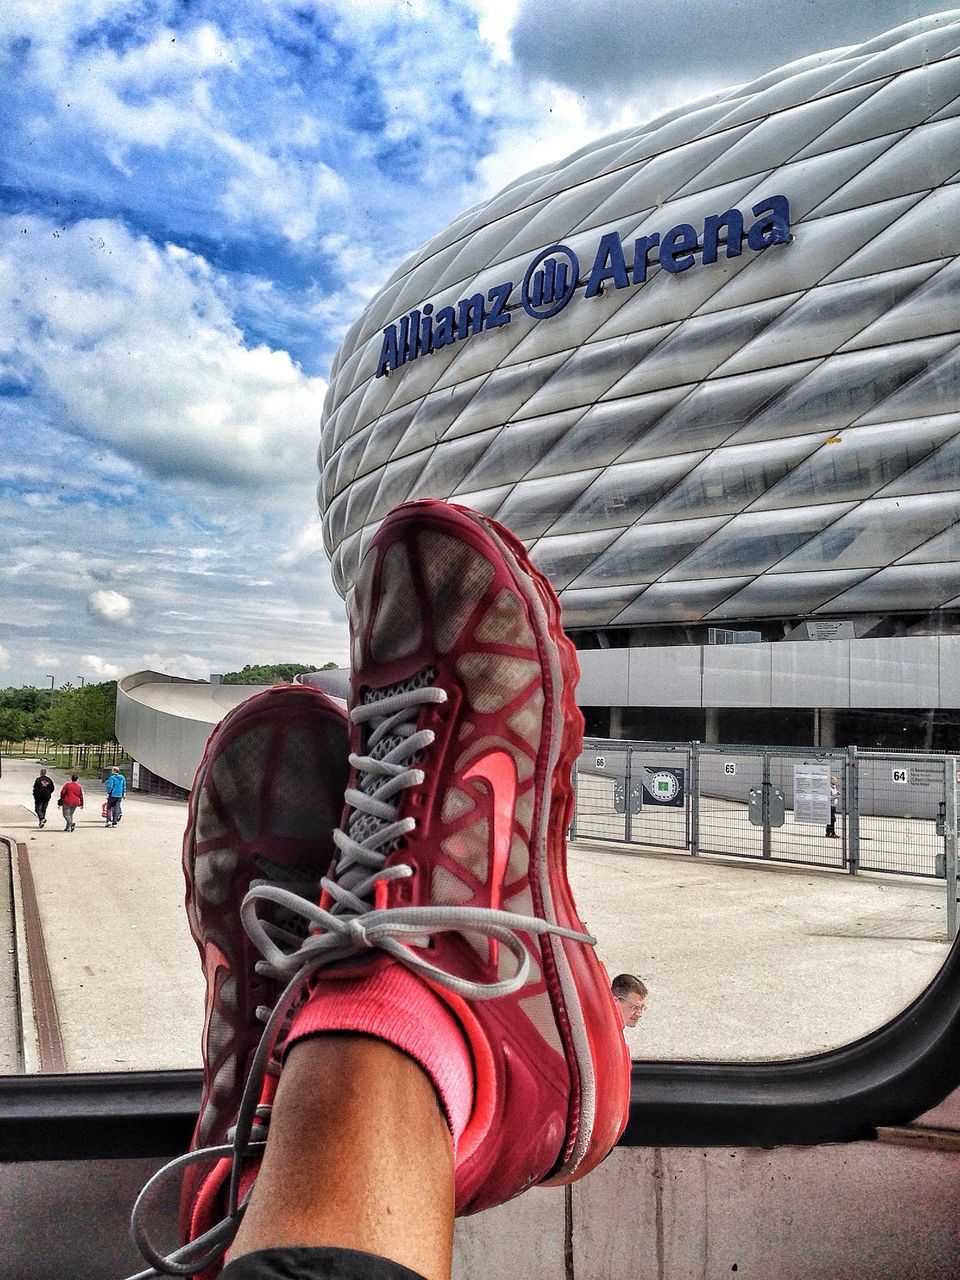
[[164, 721], [908, 672], [859, 1211]]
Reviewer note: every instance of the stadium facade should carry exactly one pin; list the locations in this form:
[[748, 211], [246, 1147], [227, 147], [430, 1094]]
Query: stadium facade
[[709, 370]]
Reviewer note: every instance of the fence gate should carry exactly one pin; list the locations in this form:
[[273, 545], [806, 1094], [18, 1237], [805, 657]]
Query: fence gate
[[661, 785], [801, 834], [895, 813], [902, 812], [602, 782], [730, 778]]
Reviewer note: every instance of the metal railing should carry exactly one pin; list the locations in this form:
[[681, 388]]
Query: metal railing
[[893, 812], [67, 755]]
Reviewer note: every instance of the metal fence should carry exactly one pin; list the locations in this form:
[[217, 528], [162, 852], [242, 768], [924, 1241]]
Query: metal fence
[[848, 809], [67, 755]]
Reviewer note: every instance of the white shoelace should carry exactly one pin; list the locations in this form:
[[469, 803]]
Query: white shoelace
[[350, 925]]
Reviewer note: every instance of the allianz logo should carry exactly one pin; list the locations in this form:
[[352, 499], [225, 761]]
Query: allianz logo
[[553, 277]]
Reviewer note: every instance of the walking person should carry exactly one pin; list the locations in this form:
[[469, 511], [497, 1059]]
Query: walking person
[[834, 806], [71, 799], [116, 789], [43, 789]]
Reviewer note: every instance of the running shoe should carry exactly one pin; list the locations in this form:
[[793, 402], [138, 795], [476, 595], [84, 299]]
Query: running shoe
[[453, 847], [267, 797]]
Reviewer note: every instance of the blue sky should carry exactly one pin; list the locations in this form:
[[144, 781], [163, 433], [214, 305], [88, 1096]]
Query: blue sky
[[196, 200]]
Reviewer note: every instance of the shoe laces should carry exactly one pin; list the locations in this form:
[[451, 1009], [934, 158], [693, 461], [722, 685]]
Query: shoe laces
[[351, 923], [348, 925]]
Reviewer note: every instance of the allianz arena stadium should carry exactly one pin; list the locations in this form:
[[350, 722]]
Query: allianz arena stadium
[[707, 369]]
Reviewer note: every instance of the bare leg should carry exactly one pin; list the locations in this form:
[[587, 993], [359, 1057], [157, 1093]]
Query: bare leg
[[359, 1157]]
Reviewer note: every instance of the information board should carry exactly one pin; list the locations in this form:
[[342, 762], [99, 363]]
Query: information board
[[811, 793]]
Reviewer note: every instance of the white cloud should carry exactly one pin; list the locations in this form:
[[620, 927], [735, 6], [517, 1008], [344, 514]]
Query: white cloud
[[166, 89], [47, 660], [495, 22], [95, 664], [177, 664], [585, 45], [40, 500], [306, 545], [135, 347], [4, 656], [110, 605], [291, 196]]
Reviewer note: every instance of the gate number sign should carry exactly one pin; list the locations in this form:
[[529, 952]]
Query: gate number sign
[[900, 775], [601, 763], [730, 769]]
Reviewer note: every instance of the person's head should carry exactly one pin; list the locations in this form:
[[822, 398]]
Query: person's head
[[43, 773], [73, 777], [631, 996], [833, 781], [114, 769]]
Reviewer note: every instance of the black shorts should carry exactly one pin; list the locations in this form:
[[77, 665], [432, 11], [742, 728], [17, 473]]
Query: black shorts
[[315, 1264]]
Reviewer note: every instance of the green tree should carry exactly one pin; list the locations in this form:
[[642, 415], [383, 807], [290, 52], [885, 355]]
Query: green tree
[[30, 705], [274, 673], [97, 711], [59, 722], [83, 715], [13, 725]]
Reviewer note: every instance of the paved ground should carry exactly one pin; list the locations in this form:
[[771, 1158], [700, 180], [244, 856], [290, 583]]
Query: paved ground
[[124, 967], [742, 961], [757, 961], [9, 1056]]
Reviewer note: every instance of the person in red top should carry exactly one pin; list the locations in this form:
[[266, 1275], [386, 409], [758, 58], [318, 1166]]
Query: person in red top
[[71, 799]]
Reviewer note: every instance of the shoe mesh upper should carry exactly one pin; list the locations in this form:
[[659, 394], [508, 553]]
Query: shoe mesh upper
[[397, 630], [456, 578]]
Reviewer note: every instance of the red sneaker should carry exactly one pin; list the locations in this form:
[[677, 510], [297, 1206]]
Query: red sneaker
[[266, 799], [465, 731]]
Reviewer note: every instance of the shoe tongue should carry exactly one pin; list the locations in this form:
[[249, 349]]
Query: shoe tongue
[[364, 825], [302, 880]]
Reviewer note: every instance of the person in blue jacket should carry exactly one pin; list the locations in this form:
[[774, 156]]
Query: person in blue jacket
[[116, 790]]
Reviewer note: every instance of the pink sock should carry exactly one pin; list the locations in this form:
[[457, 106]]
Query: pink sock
[[389, 1002]]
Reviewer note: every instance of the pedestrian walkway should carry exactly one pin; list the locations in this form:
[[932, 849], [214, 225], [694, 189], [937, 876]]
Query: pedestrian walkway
[[124, 968], [742, 960]]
